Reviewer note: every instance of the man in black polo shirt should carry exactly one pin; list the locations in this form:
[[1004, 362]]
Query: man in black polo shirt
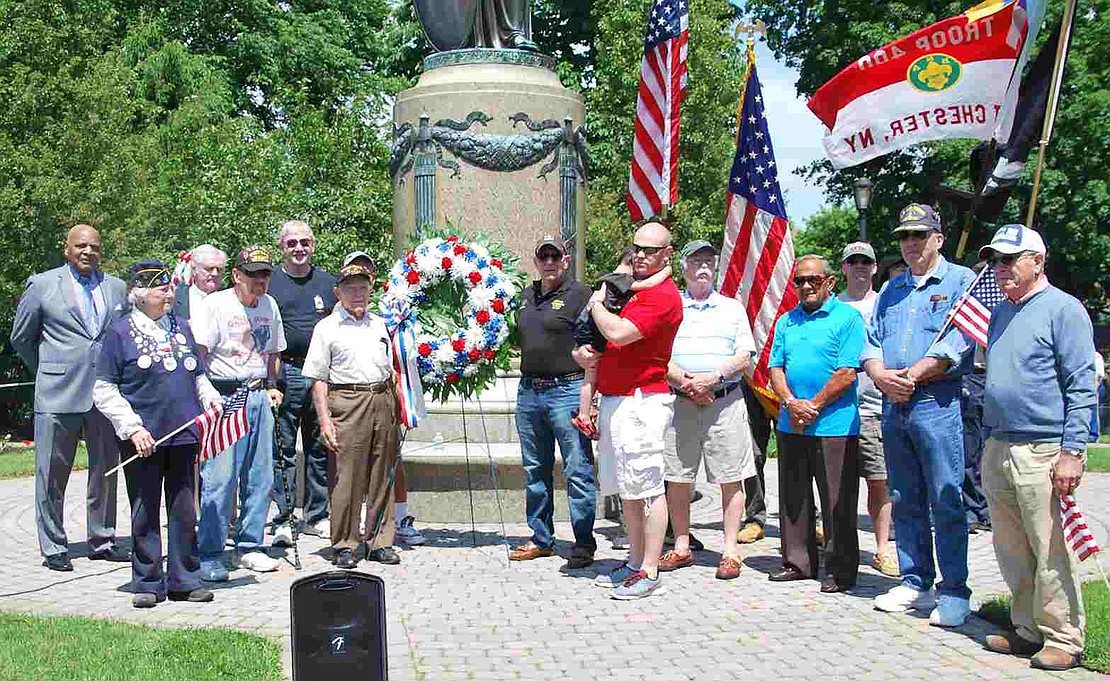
[[305, 294], [550, 385]]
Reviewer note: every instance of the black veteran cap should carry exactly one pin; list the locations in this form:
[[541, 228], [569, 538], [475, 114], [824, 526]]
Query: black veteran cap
[[355, 270], [149, 273], [254, 259], [918, 217]]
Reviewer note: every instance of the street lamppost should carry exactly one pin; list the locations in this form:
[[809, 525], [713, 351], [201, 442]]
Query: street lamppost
[[863, 202]]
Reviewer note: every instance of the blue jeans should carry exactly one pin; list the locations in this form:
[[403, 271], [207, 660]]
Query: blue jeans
[[297, 412], [247, 467], [542, 417], [924, 449]]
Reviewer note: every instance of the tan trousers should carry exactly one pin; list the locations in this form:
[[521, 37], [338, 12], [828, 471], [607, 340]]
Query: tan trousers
[[367, 429], [1034, 559]]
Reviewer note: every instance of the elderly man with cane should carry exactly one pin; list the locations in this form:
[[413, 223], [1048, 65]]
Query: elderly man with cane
[[351, 367], [149, 382]]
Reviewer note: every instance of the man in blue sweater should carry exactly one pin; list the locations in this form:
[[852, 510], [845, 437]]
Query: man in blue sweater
[[1038, 401]]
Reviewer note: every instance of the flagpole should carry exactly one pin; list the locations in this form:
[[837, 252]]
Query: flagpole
[[175, 431], [949, 317], [969, 219], [1053, 102]]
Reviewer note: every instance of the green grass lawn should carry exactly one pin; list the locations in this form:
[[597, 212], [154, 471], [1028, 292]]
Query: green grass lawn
[[1096, 599], [79, 649], [1098, 457], [18, 461]]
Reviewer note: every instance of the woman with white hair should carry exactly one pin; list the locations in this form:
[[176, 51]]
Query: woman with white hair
[[149, 382]]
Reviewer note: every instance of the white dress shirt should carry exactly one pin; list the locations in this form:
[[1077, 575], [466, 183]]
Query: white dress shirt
[[346, 350]]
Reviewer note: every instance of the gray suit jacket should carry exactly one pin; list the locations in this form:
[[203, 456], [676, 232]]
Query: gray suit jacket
[[50, 336]]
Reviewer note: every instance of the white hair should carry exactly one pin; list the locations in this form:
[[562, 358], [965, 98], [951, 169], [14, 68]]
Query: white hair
[[136, 297], [290, 225], [208, 251], [819, 258]]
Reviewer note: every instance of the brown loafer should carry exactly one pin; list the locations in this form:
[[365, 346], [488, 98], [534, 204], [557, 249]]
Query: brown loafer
[[1011, 644], [1054, 660], [831, 586], [729, 568], [673, 560], [530, 551], [788, 573]]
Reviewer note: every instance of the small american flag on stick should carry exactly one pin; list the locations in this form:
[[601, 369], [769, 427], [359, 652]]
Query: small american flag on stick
[[1076, 532], [972, 314], [222, 424]]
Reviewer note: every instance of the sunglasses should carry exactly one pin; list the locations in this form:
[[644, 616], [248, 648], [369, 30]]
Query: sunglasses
[[647, 250], [1008, 260], [544, 256], [292, 243], [814, 281], [859, 260]]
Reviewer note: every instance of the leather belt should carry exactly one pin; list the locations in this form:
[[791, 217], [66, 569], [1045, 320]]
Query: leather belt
[[549, 382], [379, 387], [718, 394], [226, 386]]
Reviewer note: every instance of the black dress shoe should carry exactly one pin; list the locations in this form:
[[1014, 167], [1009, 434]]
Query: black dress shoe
[[831, 586], [194, 596], [112, 554], [385, 555], [59, 562], [787, 574], [146, 600], [346, 559], [695, 544]]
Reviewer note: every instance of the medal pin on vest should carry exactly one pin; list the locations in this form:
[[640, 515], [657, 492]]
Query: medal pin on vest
[[319, 302]]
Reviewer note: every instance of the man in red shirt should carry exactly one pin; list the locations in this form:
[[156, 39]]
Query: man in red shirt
[[636, 409]]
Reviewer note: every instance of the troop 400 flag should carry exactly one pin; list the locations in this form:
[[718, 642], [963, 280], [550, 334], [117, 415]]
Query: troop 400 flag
[[956, 78]]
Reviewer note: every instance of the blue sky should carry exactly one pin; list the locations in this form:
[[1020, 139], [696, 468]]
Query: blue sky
[[795, 133]]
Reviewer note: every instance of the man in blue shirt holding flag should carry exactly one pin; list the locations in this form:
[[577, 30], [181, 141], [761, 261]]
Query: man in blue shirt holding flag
[[918, 370]]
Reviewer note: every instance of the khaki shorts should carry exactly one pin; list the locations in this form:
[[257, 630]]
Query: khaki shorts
[[630, 452], [872, 465], [718, 433]]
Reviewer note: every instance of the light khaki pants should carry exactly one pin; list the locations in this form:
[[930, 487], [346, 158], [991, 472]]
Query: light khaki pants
[[1034, 559]]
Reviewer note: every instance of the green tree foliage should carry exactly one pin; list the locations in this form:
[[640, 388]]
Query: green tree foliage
[[1074, 206]]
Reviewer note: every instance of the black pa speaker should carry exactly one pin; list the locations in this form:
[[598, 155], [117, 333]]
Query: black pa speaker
[[338, 627]]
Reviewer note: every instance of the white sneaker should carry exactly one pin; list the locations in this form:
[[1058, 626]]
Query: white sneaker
[[903, 598], [408, 534], [283, 535], [258, 562], [320, 528], [951, 611]]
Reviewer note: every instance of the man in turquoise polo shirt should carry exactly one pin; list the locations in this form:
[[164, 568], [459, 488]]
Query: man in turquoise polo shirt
[[814, 360]]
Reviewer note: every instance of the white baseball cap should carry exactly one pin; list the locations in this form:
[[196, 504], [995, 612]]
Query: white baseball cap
[[858, 248], [1010, 239]]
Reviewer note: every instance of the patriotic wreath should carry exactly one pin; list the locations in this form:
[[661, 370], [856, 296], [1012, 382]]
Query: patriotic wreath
[[457, 301]]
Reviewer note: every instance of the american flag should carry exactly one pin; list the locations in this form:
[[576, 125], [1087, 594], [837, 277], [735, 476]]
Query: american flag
[[1076, 533], [222, 424], [757, 261], [653, 181], [972, 313]]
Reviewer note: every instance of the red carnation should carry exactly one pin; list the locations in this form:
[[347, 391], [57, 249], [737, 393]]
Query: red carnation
[[475, 278], [452, 378], [482, 316], [424, 349], [489, 354], [498, 305], [460, 249], [452, 238], [473, 355], [458, 345], [445, 263], [496, 262], [413, 277], [410, 259]]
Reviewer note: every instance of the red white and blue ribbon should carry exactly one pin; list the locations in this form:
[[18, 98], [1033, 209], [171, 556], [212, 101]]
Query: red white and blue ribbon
[[400, 321]]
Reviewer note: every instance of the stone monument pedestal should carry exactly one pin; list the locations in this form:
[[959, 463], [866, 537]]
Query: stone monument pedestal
[[488, 142]]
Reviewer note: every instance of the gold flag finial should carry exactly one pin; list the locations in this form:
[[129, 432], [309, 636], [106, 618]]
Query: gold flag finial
[[751, 29]]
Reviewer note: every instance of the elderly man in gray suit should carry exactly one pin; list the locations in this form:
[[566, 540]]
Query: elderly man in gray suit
[[58, 329]]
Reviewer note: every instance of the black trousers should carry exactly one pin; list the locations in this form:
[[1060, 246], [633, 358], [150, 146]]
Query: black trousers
[[834, 463], [171, 467], [755, 502]]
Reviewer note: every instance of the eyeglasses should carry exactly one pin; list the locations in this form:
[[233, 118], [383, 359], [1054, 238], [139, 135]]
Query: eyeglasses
[[1009, 259], [698, 264], [292, 243], [859, 260], [647, 250], [916, 236], [814, 280]]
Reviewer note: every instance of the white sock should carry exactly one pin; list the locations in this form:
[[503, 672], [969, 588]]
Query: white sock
[[401, 510]]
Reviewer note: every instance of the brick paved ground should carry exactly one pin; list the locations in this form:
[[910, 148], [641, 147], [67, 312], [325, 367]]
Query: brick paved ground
[[460, 612]]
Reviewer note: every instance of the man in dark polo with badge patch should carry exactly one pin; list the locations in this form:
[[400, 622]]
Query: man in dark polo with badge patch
[[550, 386], [305, 294]]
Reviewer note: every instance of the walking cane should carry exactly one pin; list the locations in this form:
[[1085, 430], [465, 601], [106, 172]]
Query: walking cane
[[280, 457]]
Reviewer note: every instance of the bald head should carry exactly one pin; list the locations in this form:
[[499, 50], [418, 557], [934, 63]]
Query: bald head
[[653, 237], [82, 249]]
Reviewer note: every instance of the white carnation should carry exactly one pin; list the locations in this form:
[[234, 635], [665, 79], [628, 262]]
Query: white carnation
[[444, 354], [480, 297], [481, 250], [462, 268], [470, 369]]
